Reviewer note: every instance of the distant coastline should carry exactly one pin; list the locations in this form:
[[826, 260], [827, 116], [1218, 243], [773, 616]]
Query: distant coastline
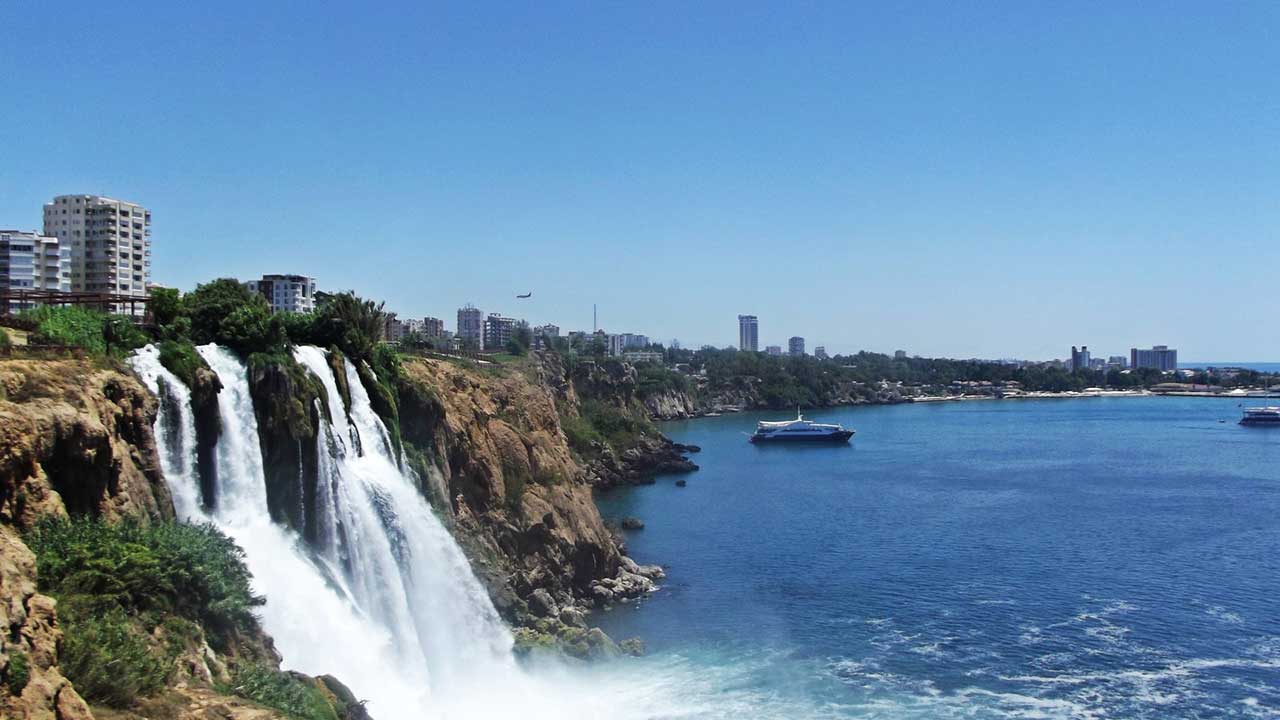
[[1262, 367]]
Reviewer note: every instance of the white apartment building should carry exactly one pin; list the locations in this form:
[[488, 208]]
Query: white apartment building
[[30, 261], [109, 242], [286, 293], [471, 327]]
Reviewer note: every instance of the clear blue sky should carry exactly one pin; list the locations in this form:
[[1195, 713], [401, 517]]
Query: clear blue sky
[[996, 180]]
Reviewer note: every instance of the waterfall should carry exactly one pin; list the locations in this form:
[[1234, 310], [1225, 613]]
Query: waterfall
[[405, 567], [385, 600], [175, 432]]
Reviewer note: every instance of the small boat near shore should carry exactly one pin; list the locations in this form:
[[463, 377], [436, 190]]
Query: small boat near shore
[[1261, 416], [800, 430]]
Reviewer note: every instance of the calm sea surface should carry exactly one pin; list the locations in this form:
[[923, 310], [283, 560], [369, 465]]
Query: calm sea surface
[[1102, 557]]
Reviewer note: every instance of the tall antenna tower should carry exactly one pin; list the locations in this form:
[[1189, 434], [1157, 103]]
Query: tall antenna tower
[[595, 325]]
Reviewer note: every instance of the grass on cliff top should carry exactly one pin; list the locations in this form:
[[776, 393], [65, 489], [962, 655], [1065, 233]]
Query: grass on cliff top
[[116, 583]]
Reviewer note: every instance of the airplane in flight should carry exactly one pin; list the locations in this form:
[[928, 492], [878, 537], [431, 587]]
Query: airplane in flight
[[525, 296]]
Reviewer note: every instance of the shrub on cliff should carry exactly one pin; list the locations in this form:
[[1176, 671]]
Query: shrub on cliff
[[282, 691], [80, 327], [193, 571], [602, 423], [106, 655]]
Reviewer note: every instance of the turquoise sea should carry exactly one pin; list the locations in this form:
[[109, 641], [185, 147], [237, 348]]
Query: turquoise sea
[[1084, 558]]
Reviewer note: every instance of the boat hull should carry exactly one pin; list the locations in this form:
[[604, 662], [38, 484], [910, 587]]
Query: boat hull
[[835, 437]]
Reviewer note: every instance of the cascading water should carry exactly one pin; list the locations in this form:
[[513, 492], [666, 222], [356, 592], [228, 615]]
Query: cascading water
[[404, 553], [175, 431], [386, 602]]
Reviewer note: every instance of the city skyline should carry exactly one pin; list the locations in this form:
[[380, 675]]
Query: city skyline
[[1076, 191]]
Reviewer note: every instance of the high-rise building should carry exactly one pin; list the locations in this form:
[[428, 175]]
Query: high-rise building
[[498, 331], [471, 327], [432, 327], [1118, 361], [1079, 358], [899, 354], [820, 352], [286, 293], [773, 350], [795, 346], [1160, 357], [30, 261], [748, 333], [109, 243]]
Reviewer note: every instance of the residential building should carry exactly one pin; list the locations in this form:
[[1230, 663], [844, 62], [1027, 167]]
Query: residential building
[[30, 261], [412, 326], [632, 341], [616, 344], [109, 242], [795, 346], [1079, 358], [1118, 361], [549, 330], [432, 327], [470, 330], [286, 293], [899, 354], [393, 330], [643, 356], [1160, 357], [498, 331], [773, 350], [820, 352], [748, 333]]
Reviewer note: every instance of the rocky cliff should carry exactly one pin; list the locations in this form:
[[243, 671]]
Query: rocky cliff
[[489, 447]]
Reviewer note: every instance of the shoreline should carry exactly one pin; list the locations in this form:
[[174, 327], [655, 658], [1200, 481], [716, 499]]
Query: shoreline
[[1039, 395]]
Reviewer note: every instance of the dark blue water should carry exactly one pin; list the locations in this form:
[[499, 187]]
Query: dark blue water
[[1104, 557]]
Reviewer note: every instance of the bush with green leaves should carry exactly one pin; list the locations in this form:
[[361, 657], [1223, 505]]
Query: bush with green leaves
[[228, 313], [193, 571], [282, 691], [5, 342], [18, 674], [181, 358], [80, 327], [106, 655], [116, 582]]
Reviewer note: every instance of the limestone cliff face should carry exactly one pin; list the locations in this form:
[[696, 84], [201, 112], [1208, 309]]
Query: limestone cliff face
[[671, 405], [75, 439], [507, 481]]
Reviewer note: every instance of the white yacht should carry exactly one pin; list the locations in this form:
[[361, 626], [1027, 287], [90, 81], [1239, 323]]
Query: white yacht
[[800, 430], [1261, 416]]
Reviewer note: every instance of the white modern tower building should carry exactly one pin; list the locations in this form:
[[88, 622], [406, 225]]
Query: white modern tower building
[[748, 333], [109, 242]]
